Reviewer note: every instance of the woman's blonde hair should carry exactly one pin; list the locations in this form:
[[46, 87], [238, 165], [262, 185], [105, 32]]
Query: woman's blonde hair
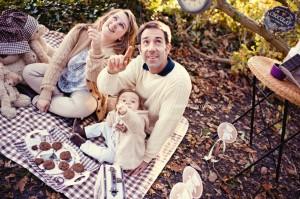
[[128, 39]]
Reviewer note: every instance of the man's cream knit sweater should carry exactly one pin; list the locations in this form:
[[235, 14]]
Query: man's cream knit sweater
[[166, 97]]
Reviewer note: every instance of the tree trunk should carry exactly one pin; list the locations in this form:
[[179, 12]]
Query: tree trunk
[[252, 25]]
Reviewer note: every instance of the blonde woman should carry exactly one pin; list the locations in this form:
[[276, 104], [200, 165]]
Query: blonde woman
[[67, 85]]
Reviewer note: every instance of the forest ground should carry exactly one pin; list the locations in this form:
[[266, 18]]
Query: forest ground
[[219, 96]]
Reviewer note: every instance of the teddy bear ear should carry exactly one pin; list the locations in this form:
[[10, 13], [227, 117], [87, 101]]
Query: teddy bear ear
[[42, 29], [20, 78]]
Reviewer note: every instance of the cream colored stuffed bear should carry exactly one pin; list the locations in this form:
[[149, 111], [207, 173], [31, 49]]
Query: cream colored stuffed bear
[[21, 41], [14, 63], [9, 95], [38, 45], [40, 52]]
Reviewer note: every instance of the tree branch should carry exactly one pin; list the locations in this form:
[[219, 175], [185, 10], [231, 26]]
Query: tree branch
[[283, 2], [213, 58], [252, 25], [195, 50]]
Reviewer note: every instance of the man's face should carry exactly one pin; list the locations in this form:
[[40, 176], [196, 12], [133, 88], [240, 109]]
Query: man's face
[[154, 49]]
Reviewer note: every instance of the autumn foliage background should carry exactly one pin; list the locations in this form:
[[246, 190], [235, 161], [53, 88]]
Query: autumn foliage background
[[61, 15]]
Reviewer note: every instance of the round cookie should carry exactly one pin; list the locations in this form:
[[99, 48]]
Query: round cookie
[[65, 155], [45, 146], [69, 174], [63, 165], [56, 146], [78, 167], [48, 164]]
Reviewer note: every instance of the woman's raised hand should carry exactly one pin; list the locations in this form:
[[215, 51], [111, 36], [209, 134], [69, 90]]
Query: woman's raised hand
[[95, 36], [118, 63]]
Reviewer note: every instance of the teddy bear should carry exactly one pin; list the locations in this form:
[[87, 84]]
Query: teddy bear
[[39, 51], [21, 41], [38, 45], [9, 95], [15, 63]]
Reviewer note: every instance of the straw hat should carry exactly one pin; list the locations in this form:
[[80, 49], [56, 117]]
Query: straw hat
[[261, 66]]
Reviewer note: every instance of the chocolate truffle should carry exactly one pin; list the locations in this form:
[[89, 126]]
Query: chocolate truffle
[[78, 167], [65, 155], [69, 174], [48, 164], [34, 147], [38, 161], [57, 145], [63, 165], [45, 146]]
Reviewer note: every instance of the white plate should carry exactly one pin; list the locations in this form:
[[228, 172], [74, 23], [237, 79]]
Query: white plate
[[35, 137]]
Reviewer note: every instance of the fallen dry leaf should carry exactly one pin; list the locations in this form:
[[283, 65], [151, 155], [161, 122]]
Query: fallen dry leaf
[[22, 183], [212, 176], [267, 186], [176, 167], [261, 196]]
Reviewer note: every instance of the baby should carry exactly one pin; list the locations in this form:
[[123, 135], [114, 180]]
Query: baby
[[123, 131]]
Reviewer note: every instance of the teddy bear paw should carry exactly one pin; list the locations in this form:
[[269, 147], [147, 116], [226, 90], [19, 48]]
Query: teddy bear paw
[[22, 101], [9, 112], [30, 57]]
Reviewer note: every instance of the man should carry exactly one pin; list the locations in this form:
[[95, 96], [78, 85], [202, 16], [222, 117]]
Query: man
[[163, 83]]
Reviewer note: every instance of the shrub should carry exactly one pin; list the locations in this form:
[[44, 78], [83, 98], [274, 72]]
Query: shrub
[[61, 15], [249, 43]]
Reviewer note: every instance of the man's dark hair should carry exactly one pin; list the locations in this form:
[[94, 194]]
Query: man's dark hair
[[155, 25]]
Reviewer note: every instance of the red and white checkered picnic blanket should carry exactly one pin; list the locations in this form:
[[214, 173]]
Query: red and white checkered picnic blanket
[[14, 130]]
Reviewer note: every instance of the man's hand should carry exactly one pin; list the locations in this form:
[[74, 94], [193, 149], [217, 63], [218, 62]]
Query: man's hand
[[139, 169], [43, 105], [118, 63], [95, 36]]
